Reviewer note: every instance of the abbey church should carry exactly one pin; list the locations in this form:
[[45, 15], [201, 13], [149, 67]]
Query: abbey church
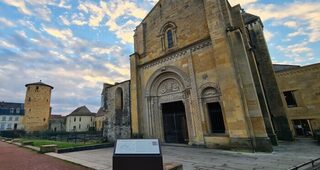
[[201, 74]]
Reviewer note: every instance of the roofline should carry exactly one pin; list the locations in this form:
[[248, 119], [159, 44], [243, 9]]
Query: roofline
[[40, 84], [115, 84], [298, 68]]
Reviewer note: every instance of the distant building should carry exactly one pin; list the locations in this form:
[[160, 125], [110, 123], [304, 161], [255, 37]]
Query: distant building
[[117, 105], [11, 115], [57, 123], [300, 87], [80, 120], [37, 107], [100, 118]]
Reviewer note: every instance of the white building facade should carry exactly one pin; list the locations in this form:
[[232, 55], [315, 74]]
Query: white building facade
[[11, 115], [80, 120]]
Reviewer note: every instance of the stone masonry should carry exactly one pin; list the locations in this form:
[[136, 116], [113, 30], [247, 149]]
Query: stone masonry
[[117, 105]]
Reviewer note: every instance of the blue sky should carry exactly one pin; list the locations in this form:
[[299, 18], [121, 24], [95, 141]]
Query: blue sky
[[75, 46]]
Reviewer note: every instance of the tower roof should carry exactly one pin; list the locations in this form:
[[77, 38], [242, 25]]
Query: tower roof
[[39, 83]]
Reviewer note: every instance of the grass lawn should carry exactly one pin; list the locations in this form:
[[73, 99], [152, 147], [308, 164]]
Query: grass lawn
[[60, 144]]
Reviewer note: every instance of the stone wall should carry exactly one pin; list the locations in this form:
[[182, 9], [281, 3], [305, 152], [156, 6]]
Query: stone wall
[[37, 108], [304, 82], [117, 123]]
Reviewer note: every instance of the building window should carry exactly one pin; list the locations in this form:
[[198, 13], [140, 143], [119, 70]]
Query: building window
[[91, 119], [9, 126], [169, 38], [16, 118], [74, 119], [290, 99], [79, 119], [10, 118], [74, 128], [79, 126], [44, 119], [2, 126], [11, 110], [18, 110], [216, 118], [37, 88], [4, 118]]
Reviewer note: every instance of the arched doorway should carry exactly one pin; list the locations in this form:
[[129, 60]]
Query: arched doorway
[[174, 122], [168, 106]]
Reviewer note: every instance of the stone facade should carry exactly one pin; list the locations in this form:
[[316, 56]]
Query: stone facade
[[300, 87], [57, 123], [117, 105], [37, 107], [195, 71]]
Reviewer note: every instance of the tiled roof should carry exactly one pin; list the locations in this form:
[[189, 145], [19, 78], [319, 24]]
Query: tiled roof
[[7, 108], [39, 83], [54, 117], [101, 112], [82, 111]]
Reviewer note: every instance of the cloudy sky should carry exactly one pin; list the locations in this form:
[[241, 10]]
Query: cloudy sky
[[75, 46]]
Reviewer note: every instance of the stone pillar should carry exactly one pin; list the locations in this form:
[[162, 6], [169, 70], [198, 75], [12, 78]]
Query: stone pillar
[[270, 86], [134, 94], [238, 22], [255, 119]]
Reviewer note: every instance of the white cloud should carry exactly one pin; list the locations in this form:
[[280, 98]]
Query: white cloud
[[291, 24], [5, 22], [114, 10], [300, 11], [19, 4], [268, 35], [65, 34]]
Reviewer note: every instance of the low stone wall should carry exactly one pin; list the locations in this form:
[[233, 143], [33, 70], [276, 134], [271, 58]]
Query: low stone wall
[[27, 143], [82, 148], [48, 148]]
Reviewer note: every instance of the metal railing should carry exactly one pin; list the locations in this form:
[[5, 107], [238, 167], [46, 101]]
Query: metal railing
[[314, 165]]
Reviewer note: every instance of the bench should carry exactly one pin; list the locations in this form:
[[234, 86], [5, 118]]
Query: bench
[[172, 166], [48, 148]]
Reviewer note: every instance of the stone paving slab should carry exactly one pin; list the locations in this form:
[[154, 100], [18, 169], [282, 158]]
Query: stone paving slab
[[286, 155]]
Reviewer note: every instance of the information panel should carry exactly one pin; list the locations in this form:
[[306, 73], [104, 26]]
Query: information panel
[[137, 146]]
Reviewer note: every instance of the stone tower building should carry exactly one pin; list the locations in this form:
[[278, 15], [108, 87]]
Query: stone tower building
[[37, 107], [201, 74]]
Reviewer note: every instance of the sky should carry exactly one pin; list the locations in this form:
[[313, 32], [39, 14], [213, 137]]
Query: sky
[[76, 46]]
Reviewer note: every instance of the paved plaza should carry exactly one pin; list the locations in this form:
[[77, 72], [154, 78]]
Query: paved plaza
[[13, 157], [286, 155]]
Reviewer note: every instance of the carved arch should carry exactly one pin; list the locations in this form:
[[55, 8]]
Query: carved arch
[[209, 87], [164, 73]]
